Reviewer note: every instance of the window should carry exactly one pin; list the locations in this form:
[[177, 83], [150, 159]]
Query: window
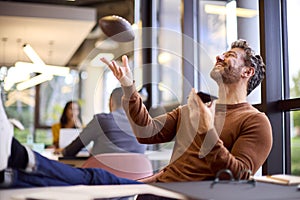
[[52, 97], [20, 105], [54, 94], [281, 102], [293, 14], [295, 142], [169, 54], [219, 24]]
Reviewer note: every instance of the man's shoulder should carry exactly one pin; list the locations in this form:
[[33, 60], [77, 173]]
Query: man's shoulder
[[245, 111], [254, 114], [103, 115]]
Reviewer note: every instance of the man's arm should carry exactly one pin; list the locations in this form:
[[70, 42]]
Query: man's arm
[[73, 148], [148, 130], [249, 152]]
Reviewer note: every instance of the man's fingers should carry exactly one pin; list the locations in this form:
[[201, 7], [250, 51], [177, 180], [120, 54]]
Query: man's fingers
[[125, 61], [111, 64], [193, 99], [122, 73], [104, 60]]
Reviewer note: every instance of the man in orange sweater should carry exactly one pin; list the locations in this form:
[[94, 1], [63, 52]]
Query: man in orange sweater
[[228, 133]]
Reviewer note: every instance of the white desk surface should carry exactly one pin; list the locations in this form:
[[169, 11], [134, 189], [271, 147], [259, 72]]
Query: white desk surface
[[152, 155], [82, 192]]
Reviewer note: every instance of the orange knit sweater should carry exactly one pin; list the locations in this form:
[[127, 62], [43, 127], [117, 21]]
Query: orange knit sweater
[[241, 139]]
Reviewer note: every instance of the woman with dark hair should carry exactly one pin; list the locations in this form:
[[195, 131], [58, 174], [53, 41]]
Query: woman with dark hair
[[70, 118]]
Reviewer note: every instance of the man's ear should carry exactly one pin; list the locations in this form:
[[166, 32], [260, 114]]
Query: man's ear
[[248, 72]]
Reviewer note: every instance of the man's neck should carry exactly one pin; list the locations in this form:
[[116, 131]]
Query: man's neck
[[232, 94], [114, 108]]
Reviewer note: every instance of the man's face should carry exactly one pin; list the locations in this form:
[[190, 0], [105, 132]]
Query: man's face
[[228, 67]]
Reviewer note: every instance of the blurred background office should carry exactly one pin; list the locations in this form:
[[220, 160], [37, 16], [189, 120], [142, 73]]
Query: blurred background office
[[174, 49]]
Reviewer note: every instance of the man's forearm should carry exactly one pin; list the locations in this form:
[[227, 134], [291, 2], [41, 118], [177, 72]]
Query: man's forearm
[[73, 148]]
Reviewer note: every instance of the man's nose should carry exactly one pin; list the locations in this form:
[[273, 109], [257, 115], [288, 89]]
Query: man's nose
[[220, 57]]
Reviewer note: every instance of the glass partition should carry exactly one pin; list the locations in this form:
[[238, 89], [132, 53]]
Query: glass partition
[[219, 24], [293, 32], [293, 15], [295, 142], [55, 94]]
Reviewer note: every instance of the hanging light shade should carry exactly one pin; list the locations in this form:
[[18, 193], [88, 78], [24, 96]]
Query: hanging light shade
[[32, 55]]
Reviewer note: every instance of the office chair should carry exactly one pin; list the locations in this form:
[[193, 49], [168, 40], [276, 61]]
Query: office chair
[[126, 165]]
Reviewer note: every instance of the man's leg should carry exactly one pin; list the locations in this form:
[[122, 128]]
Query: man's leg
[[45, 172], [6, 135], [53, 173], [25, 168]]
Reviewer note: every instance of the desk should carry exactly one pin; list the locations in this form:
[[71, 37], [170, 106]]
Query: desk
[[179, 190], [81, 192], [203, 190], [73, 161], [158, 159]]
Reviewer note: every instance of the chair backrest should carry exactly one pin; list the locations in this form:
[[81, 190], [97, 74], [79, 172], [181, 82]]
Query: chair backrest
[[126, 165]]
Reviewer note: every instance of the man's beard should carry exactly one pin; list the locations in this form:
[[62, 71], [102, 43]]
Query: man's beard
[[227, 75]]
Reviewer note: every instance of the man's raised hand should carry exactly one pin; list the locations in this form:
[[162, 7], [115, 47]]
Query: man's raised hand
[[122, 73]]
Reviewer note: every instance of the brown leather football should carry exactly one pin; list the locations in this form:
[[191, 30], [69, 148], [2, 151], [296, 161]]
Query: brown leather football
[[117, 28]]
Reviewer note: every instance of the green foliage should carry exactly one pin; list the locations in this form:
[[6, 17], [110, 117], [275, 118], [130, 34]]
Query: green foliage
[[295, 155], [56, 112], [295, 142], [21, 135], [296, 118], [22, 113], [295, 91], [42, 136]]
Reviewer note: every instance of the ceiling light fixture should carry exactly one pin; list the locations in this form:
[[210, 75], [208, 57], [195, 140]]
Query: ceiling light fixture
[[38, 66], [33, 56], [50, 69], [34, 81]]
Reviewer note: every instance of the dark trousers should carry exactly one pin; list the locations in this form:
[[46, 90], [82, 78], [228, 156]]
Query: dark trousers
[[52, 173]]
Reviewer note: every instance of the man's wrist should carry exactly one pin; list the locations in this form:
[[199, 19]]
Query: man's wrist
[[128, 90]]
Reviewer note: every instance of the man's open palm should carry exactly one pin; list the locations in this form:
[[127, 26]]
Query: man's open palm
[[122, 73]]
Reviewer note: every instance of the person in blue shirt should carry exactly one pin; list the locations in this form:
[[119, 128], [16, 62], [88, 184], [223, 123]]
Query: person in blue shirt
[[109, 132]]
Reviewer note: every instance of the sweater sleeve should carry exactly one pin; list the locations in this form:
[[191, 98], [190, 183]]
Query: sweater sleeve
[[249, 151], [148, 130]]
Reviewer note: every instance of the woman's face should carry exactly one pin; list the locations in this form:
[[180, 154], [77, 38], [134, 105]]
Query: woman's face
[[73, 111]]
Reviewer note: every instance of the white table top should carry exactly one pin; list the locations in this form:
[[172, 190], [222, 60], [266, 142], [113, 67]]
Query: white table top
[[82, 192]]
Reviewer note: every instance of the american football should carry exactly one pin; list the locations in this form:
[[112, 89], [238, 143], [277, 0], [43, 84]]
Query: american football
[[117, 28]]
